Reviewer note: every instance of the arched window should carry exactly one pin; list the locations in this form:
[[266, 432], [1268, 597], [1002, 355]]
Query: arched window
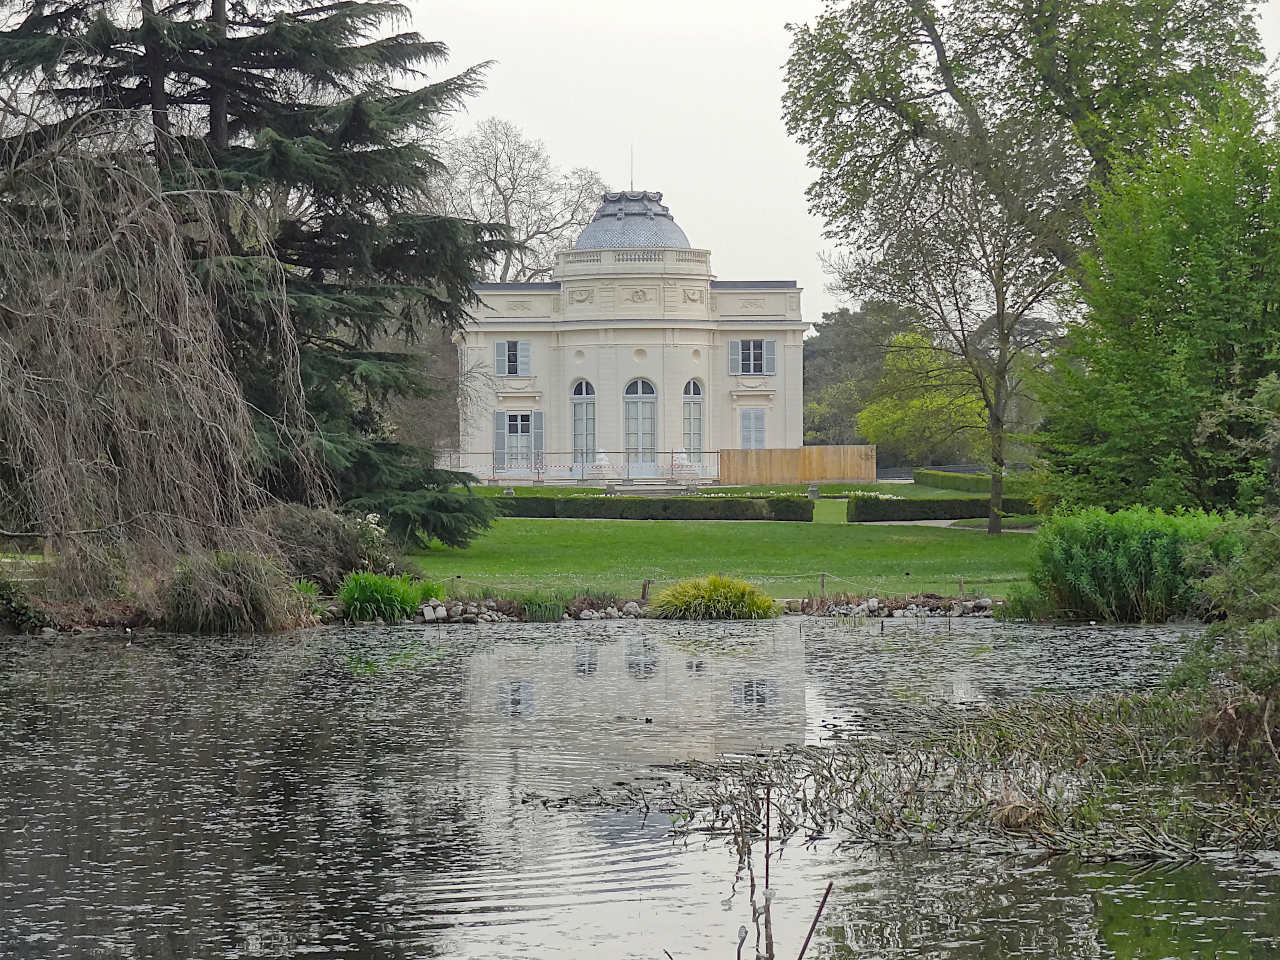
[[583, 401], [693, 421], [640, 424]]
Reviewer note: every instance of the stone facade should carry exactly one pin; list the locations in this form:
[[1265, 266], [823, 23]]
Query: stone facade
[[633, 361]]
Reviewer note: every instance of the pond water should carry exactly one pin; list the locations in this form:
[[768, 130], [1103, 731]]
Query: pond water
[[374, 793]]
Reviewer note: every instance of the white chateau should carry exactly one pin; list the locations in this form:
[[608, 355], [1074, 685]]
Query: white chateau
[[634, 361]]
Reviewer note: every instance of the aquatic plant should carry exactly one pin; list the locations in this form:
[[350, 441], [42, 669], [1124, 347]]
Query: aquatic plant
[[712, 598], [1124, 567], [374, 596], [229, 592]]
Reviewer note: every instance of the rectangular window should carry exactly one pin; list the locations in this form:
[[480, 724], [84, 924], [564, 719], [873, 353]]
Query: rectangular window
[[519, 441], [584, 432], [753, 436], [693, 430], [513, 358], [753, 357]]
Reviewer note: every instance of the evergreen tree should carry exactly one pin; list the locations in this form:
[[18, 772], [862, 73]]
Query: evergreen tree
[[318, 115]]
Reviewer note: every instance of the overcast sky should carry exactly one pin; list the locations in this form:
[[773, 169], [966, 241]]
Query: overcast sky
[[694, 86]]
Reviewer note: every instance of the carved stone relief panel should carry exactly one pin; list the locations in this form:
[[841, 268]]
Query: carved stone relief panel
[[520, 306], [692, 295], [637, 296], [582, 295], [751, 305], [793, 302]]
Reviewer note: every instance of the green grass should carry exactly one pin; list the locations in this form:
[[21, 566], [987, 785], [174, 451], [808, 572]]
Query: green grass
[[785, 559], [1013, 521]]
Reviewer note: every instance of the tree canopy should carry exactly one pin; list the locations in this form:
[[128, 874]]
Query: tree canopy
[[1156, 397], [317, 115]]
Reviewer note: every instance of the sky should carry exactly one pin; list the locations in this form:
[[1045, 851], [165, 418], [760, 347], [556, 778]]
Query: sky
[[693, 86]]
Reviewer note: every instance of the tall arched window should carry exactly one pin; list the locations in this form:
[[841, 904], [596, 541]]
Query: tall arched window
[[583, 401], [693, 421], [640, 423]]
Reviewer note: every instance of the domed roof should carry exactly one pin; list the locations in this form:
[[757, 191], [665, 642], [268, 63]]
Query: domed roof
[[631, 218]]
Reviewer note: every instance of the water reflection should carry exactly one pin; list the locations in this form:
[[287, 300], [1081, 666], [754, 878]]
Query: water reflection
[[365, 795]]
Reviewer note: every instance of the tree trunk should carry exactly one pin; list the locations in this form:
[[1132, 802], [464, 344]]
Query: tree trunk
[[155, 72], [995, 431], [218, 136]]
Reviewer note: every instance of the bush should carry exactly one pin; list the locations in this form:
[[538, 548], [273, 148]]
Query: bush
[[229, 592], [971, 482], [324, 546], [17, 609], [1136, 565], [373, 596], [712, 598], [870, 508], [660, 508]]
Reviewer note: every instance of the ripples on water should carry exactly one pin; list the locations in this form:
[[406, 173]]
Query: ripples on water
[[365, 794]]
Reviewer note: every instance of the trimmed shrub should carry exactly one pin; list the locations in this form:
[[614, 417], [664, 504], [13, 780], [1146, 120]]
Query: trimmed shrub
[[971, 482], [1136, 565], [324, 546], [660, 508], [374, 596], [867, 509], [229, 592], [712, 598]]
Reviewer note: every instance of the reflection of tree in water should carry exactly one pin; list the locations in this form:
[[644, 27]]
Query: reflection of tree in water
[[586, 659], [976, 908], [246, 802]]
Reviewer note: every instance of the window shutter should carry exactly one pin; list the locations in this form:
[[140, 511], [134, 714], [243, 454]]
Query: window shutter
[[538, 441], [770, 355], [735, 356], [499, 440], [745, 443], [500, 357], [759, 437], [524, 358]]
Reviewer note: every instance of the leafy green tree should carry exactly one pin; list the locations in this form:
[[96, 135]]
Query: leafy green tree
[[842, 365], [881, 91], [1158, 396], [957, 144], [924, 408], [319, 115]]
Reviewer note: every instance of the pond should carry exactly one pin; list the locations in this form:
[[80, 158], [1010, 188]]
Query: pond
[[393, 793]]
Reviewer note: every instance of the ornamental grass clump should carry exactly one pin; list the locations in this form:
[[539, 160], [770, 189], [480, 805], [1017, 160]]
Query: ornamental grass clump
[[712, 598], [375, 596], [229, 592], [1134, 566]]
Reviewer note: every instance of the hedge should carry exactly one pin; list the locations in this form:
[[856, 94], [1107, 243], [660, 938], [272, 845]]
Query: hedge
[[869, 509], [659, 508], [971, 482]]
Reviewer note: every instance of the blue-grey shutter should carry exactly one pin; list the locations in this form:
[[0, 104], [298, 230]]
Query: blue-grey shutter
[[770, 356], [524, 358], [500, 358], [745, 441], [539, 438], [499, 440], [760, 438], [735, 356]]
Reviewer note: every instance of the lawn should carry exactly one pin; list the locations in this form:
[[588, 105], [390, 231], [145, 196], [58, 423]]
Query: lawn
[[520, 554]]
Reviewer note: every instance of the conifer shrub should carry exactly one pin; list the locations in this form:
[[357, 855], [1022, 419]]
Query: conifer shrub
[[229, 592], [1137, 565], [712, 598], [375, 596], [659, 508]]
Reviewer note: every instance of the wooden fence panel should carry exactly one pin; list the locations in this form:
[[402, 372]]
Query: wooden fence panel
[[856, 464]]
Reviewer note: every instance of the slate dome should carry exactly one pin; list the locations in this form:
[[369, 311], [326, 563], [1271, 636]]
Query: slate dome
[[631, 218]]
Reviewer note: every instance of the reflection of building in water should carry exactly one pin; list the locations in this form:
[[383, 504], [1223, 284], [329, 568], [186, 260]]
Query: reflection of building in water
[[582, 710]]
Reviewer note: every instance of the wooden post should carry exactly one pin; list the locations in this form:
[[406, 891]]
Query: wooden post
[[644, 589], [823, 588]]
